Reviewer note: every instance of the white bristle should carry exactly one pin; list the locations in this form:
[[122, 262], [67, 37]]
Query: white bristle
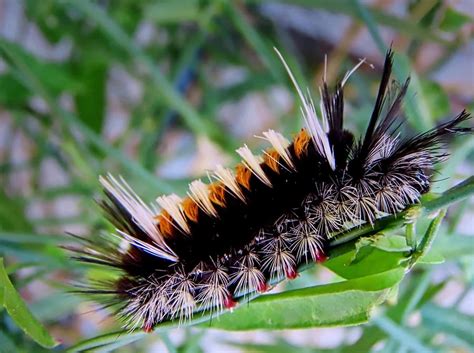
[[141, 214], [225, 176], [253, 163], [172, 205], [308, 110], [199, 193], [279, 143]]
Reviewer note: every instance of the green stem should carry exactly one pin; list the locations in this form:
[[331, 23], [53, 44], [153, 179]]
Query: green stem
[[411, 235], [429, 237], [410, 232], [457, 193]]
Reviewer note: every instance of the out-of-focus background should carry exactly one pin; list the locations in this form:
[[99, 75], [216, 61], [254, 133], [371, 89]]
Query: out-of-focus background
[[162, 91]]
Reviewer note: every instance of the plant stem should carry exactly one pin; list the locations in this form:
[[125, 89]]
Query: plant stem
[[411, 235], [428, 238], [457, 193]]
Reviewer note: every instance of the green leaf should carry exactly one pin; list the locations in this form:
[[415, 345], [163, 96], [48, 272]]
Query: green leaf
[[53, 23], [63, 304], [169, 11], [112, 30], [390, 243], [192, 343], [7, 345], [104, 342], [428, 238], [450, 321], [417, 105], [91, 102], [44, 255], [458, 155], [360, 260], [31, 238], [337, 304], [253, 37], [453, 20], [433, 257], [279, 347], [12, 214], [19, 312], [416, 109], [71, 121], [402, 335], [455, 246], [437, 100], [13, 94], [53, 75]]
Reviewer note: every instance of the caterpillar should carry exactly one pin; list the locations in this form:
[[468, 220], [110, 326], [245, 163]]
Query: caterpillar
[[257, 224]]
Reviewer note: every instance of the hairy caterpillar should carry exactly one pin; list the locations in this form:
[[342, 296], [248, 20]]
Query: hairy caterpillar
[[276, 212]]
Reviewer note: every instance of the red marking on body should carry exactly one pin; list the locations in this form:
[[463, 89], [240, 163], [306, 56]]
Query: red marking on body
[[321, 257], [148, 328], [262, 287], [291, 273], [229, 302]]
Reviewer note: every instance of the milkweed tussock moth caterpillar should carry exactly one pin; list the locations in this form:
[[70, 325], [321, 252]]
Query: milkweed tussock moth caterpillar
[[274, 212]]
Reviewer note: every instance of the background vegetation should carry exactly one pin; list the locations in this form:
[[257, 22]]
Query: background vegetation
[[159, 92]]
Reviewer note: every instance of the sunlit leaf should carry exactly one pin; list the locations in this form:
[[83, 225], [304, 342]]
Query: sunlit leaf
[[453, 20], [345, 303], [360, 262], [20, 313]]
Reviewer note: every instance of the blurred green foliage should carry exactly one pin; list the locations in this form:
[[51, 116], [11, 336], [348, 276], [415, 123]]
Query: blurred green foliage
[[60, 107]]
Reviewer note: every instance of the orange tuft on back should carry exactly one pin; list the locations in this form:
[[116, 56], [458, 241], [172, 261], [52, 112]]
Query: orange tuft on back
[[217, 194], [243, 175], [301, 142], [271, 158], [164, 224], [191, 209]]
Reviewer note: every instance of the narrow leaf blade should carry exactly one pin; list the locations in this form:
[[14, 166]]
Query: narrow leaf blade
[[20, 313], [337, 304]]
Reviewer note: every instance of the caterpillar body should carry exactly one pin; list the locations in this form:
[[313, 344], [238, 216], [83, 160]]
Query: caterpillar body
[[274, 212]]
